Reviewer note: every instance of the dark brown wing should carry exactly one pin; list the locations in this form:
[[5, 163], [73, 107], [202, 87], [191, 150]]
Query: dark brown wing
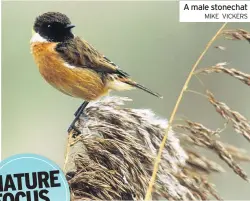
[[80, 53]]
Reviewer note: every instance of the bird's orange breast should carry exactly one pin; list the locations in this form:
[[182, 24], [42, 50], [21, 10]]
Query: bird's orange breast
[[77, 82]]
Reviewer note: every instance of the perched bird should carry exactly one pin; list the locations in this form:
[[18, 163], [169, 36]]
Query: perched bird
[[72, 65]]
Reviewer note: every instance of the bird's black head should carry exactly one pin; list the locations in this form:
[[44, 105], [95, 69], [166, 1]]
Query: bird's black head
[[54, 27]]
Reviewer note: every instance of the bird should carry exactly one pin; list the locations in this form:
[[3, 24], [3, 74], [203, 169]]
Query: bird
[[72, 65]]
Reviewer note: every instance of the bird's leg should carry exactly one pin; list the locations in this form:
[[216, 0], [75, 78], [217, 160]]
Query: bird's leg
[[79, 108], [77, 115]]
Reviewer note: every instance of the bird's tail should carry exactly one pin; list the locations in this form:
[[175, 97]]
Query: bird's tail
[[139, 86]]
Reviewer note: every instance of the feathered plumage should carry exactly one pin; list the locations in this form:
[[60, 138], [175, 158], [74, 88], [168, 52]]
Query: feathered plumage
[[72, 65]]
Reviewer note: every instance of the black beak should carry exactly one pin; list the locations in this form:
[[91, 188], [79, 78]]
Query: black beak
[[69, 26]]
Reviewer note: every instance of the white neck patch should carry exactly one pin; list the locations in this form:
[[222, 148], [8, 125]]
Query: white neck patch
[[38, 38]]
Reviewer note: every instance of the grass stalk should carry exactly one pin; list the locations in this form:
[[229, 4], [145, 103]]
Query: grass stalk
[[185, 86]]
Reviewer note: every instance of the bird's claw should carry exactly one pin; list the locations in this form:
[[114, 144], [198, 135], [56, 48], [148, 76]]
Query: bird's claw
[[75, 130]]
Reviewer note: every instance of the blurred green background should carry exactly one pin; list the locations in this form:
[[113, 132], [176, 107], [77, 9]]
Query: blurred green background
[[146, 40]]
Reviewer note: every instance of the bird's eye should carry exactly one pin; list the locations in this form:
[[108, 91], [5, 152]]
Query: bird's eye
[[49, 25]]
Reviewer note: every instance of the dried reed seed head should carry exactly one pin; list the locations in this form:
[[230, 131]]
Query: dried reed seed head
[[198, 184], [236, 34], [237, 153], [220, 68], [202, 136], [119, 146], [240, 123], [202, 164], [118, 150], [220, 47], [224, 155]]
